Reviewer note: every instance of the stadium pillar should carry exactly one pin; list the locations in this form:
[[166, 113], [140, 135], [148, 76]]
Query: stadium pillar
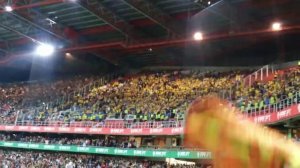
[[289, 133]]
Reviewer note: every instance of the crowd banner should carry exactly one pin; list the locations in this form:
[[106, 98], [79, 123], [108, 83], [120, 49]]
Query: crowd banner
[[269, 118], [179, 154], [94, 131]]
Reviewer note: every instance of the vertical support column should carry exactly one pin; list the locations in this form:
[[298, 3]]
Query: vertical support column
[[256, 75], [290, 133]]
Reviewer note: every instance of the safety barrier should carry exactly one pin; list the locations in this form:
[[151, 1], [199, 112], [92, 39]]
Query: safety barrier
[[104, 124], [259, 75], [154, 153]]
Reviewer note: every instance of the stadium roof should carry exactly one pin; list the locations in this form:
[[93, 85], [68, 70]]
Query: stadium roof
[[144, 32]]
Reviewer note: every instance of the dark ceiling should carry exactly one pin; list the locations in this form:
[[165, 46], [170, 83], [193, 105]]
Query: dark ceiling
[[136, 33]]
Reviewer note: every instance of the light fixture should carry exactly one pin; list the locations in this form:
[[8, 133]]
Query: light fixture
[[198, 36], [44, 50], [208, 2], [68, 55], [276, 26], [8, 8]]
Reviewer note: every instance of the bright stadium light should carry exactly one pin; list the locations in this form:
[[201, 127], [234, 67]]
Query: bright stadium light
[[198, 36], [44, 50], [8, 8], [276, 26]]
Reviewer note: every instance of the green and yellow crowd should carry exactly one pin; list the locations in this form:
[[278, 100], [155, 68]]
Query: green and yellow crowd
[[282, 90], [150, 97], [34, 93], [162, 96]]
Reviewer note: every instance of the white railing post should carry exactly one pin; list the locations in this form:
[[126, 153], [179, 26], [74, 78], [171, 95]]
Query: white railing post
[[256, 75], [16, 119]]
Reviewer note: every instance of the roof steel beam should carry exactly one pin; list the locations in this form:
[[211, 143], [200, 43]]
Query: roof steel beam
[[110, 18], [20, 32], [106, 28], [107, 56], [38, 21], [180, 41], [156, 15], [6, 46], [36, 4]]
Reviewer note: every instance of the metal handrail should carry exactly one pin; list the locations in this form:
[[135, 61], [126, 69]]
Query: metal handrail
[[91, 124], [259, 74], [282, 104]]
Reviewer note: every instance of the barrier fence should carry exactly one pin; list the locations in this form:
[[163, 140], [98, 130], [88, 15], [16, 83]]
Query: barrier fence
[[155, 153], [259, 75], [105, 124]]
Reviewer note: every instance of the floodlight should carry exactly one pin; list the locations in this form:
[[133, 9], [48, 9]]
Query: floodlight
[[45, 50], [276, 26], [198, 36], [8, 8]]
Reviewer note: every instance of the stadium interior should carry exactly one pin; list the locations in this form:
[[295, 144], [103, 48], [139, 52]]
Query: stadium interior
[[107, 83]]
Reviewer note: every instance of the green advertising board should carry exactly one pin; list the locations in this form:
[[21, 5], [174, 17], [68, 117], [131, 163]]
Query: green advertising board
[[180, 154]]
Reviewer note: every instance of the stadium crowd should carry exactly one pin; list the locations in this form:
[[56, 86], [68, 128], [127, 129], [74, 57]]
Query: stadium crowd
[[146, 97], [149, 96], [260, 95], [30, 159], [34, 93], [157, 97]]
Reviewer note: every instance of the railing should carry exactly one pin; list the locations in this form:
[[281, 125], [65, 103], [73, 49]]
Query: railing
[[105, 124], [260, 74], [282, 104], [158, 153]]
